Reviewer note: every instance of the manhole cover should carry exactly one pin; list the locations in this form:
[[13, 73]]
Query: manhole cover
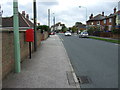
[[84, 80]]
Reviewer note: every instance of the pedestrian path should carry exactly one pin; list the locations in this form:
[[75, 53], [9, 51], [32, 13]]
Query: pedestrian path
[[47, 69]]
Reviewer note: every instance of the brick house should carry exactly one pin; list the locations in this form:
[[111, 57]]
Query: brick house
[[106, 23], [110, 21], [24, 22], [96, 20]]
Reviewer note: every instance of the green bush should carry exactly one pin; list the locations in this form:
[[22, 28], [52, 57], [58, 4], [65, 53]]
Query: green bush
[[64, 29], [106, 28], [74, 29], [93, 30], [43, 27], [116, 31]]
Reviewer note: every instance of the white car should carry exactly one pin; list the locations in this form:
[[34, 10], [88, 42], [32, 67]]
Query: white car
[[68, 33], [83, 34]]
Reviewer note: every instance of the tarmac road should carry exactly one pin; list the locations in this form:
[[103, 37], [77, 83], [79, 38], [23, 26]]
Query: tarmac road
[[98, 60]]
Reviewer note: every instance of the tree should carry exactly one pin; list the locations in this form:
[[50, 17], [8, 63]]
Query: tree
[[64, 28], [78, 23], [74, 29], [43, 28]]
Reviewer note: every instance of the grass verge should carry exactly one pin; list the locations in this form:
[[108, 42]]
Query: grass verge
[[104, 39]]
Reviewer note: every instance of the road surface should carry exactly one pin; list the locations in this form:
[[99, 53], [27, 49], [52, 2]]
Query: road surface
[[93, 59]]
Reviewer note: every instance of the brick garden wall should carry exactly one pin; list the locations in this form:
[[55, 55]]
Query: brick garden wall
[[8, 49], [110, 35]]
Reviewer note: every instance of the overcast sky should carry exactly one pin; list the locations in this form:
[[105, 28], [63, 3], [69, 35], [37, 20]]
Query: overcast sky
[[66, 11]]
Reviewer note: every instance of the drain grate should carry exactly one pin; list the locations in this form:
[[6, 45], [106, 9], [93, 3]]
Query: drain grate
[[84, 80]]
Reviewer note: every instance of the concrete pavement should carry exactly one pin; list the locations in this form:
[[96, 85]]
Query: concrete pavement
[[49, 68]]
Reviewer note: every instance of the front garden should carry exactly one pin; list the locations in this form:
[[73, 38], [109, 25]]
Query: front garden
[[96, 31]]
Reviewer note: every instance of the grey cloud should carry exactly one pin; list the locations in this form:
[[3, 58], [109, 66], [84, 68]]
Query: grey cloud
[[106, 7], [69, 17], [48, 3]]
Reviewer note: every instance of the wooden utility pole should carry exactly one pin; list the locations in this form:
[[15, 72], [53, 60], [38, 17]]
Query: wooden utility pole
[[35, 21]]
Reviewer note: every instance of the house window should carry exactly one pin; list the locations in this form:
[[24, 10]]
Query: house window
[[98, 22], [110, 20], [91, 23], [104, 21]]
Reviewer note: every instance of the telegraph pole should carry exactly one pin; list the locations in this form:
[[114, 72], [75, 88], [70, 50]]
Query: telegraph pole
[[35, 18], [16, 37]]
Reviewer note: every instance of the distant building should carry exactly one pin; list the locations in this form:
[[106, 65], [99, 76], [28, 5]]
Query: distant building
[[57, 27], [24, 22], [80, 26]]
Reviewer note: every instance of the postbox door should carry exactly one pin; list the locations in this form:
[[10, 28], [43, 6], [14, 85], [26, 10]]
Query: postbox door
[[29, 35]]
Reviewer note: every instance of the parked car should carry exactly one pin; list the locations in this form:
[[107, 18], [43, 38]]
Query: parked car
[[83, 34], [68, 33], [52, 33]]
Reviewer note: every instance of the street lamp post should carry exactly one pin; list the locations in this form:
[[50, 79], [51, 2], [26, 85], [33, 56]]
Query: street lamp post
[[86, 14], [53, 22], [1, 12], [49, 18], [16, 37]]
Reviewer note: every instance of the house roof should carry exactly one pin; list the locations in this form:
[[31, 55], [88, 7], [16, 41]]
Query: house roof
[[23, 22], [100, 17], [112, 15], [97, 18]]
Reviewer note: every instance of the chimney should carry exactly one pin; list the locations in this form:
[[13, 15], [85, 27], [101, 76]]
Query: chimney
[[91, 16], [102, 13], [114, 10], [27, 16], [23, 13], [38, 24]]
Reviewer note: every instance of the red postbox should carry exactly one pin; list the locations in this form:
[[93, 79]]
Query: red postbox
[[29, 35]]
